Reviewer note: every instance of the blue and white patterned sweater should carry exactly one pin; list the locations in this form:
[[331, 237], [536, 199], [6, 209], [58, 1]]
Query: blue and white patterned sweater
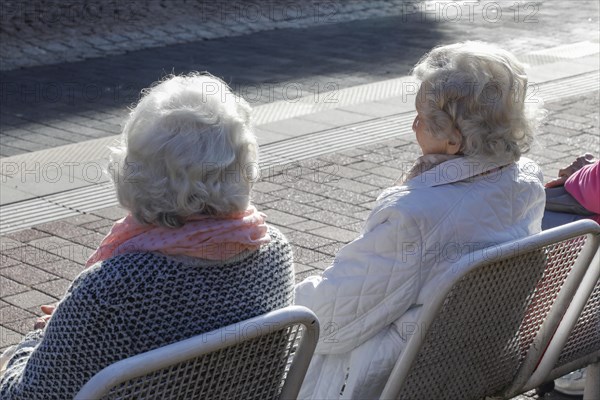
[[136, 302]]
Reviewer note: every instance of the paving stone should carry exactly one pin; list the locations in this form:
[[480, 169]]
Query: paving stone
[[6, 261], [311, 257], [22, 326], [27, 235], [56, 288], [12, 313], [260, 198], [30, 255], [557, 134], [299, 196], [277, 177], [282, 218], [355, 185], [375, 158], [91, 241], [63, 229], [292, 207], [81, 219], [266, 187], [361, 215], [8, 243], [333, 248], [307, 185], [9, 337], [362, 165], [103, 226], [294, 126], [378, 181], [298, 268], [569, 124], [112, 213], [24, 145], [27, 274], [46, 140], [339, 171], [66, 269], [308, 240], [333, 218], [352, 197], [357, 226], [572, 116], [339, 207], [29, 299], [387, 172], [335, 233], [355, 153], [338, 159], [336, 117], [7, 151], [307, 226], [72, 137], [282, 228], [68, 250]]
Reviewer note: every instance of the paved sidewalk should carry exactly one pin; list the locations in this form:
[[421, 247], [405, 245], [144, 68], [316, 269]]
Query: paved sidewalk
[[319, 203], [55, 105]]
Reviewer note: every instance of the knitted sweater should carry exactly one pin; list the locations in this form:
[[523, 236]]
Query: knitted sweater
[[136, 302]]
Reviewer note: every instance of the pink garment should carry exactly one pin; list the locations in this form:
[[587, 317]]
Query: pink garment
[[584, 186], [203, 237]]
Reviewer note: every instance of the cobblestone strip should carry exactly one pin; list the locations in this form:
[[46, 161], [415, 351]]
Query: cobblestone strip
[[43, 32], [48, 32], [320, 204]]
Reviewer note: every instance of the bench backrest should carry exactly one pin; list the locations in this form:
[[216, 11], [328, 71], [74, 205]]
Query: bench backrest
[[261, 358], [482, 325]]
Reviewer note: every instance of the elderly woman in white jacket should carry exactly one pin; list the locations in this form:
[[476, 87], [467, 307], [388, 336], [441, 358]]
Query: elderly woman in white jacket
[[469, 190]]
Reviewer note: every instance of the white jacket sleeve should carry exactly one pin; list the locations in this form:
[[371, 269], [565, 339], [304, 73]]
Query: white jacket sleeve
[[371, 283]]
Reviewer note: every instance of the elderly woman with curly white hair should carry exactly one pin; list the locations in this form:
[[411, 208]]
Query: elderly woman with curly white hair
[[469, 190], [192, 255]]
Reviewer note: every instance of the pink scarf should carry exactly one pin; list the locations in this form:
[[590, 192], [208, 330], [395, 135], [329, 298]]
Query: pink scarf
[[203, 237]]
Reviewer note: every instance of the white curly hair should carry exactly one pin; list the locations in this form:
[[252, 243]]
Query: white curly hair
[[479, 90], [186, 149]]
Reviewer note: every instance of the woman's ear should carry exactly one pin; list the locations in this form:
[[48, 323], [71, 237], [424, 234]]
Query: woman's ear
[[454, 143]]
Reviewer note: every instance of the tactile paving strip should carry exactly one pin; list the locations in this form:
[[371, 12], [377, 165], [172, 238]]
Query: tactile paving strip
[[84, 200]]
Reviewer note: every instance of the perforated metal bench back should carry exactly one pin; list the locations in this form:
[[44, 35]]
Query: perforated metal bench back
[[254, 369], [486, 324]]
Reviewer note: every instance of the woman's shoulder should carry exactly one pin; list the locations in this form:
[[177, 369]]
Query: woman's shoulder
[[278, 246], [399, 200], [276, 235], [127, 267]]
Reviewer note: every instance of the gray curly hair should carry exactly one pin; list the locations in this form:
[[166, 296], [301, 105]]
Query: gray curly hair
[[478, 89], [185, 150]]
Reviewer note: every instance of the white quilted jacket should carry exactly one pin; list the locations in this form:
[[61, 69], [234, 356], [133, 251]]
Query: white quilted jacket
[[370, 298]]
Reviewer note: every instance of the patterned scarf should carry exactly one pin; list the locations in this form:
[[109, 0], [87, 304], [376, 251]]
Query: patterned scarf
[[203, 237]]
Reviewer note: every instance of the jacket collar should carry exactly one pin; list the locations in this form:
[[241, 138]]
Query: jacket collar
[[455, 170]]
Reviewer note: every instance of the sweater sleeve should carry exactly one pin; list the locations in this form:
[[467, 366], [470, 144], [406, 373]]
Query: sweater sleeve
[[584, 186], [36, 368], [372, 282]]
